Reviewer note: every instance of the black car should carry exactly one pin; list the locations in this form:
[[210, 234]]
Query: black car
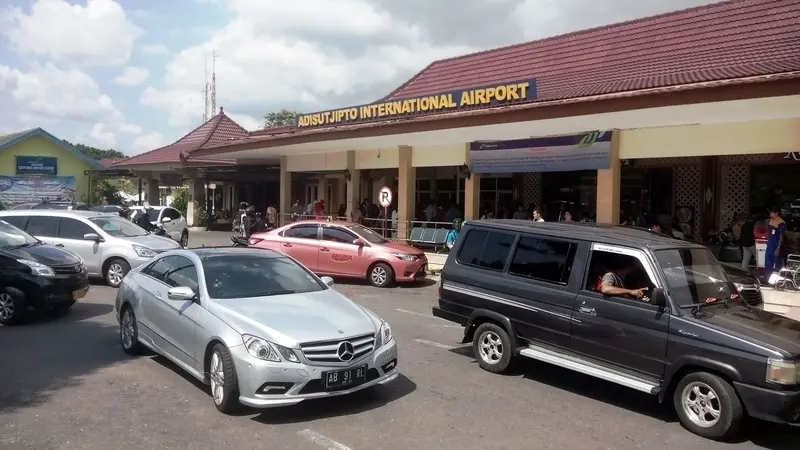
[[652, 313], [35, 276]]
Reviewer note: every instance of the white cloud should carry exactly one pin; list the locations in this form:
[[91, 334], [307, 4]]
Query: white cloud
[[101, 135], [47, 96], [97, 34], [132, 76], [148, 141], [246, 121], [155, 49], [276, 53]]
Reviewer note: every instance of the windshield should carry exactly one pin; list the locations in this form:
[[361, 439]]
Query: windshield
[[241, 276], [694, 275], [367, 234], [11, 236], [118, 227]]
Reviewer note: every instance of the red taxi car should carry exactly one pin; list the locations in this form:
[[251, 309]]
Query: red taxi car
[[345, 250]]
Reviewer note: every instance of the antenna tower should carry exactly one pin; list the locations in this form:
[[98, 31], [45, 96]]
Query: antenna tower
[[205, 91], [213, 83]]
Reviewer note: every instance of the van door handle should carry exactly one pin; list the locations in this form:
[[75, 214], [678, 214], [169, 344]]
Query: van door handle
[[587, 310], [286, 244], [60, 245], [324, 249]]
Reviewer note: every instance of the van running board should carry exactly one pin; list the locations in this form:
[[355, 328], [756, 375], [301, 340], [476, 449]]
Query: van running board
[[592, 369]]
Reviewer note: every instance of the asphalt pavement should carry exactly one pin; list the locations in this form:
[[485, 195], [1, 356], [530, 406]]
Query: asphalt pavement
[[66, 384]]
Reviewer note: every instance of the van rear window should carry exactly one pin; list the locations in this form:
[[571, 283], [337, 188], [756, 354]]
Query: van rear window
[[486, 249]]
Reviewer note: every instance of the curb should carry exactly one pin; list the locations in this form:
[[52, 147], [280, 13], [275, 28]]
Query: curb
[[196, 229]]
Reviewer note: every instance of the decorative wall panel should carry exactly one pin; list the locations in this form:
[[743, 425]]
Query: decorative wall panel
[[734, 184], [532, 188], [688, 192]]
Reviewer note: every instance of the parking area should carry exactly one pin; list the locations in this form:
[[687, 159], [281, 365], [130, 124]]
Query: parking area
[[66, 384]]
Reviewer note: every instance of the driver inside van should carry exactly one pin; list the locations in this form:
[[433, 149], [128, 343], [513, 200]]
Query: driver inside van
[[613, 282]]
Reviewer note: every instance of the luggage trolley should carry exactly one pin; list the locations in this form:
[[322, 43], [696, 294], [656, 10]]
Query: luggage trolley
[[789, 275]]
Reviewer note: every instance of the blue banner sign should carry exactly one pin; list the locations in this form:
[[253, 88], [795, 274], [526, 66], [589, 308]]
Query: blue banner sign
[[40, 165], [32, 189], [587, 151]]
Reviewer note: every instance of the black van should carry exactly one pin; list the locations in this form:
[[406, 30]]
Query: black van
[[34, 275], [629, 306]]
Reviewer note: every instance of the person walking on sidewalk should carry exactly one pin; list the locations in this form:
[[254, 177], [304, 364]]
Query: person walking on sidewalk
[[747, 242]]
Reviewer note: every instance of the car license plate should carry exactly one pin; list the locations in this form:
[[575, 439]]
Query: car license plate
[[336, 379], [79, 294]]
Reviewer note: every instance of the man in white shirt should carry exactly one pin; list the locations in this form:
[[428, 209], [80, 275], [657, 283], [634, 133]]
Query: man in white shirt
[[537, 215]]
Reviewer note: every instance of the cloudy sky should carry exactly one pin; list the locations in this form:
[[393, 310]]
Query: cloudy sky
[[128, 74]]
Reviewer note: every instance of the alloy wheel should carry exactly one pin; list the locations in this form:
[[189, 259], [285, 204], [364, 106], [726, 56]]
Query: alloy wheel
[[115, 274], [701, 404], [490, 347], [127, 330], [6, 306], [379, 275], [217, 375]]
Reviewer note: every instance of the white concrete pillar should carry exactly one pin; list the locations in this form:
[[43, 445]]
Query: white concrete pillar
[[472, 192], [609, 186], [285, 187], [353, 188], [405, 195]]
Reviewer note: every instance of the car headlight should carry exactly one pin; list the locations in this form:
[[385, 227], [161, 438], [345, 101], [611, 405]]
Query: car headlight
[[267, 351], [404, 256], [780, 371], [143, 252], [38, 268], [385, 333]]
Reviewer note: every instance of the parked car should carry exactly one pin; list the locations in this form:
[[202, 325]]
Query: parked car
[[170, 219], [535, 290], [34, 275], [108, 244], [346, 250], [259, 328]]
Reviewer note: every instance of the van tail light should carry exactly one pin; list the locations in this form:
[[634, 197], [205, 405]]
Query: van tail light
[[254, 241]]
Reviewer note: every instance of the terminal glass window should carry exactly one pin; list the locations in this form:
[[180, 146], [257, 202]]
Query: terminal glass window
[[575, 192]]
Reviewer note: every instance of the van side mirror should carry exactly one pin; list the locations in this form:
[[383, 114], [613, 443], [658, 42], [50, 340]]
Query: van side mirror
[[658, 297], [358, 242]]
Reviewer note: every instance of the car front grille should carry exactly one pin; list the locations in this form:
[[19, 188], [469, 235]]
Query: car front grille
[[325, 352], [70, 269], [752, 296]]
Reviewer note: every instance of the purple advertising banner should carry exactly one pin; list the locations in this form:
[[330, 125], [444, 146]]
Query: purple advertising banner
[[588, 151], [16, 190]]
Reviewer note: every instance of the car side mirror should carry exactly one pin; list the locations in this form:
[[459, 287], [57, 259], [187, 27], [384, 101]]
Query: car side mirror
[[166, 219], [658, 297], [358, 242], [327, 280], [181, 293], [92, 237]]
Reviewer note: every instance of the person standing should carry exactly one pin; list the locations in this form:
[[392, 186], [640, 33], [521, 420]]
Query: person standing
[[775, 233], [537, 215], [747, 241]]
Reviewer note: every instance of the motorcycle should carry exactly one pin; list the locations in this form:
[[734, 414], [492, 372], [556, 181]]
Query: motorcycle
[[239, 241]]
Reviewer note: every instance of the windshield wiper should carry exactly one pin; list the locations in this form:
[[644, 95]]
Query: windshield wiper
[[26, 244], [713, 301]]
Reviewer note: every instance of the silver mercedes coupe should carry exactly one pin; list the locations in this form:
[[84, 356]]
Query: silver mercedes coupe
[[255, 325]]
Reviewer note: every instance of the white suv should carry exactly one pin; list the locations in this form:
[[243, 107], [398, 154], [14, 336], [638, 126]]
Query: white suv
[[171, 219]]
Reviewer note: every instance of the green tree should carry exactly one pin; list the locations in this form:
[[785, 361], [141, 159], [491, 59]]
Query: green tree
[[279, 118], [180, 200], [96, 153]]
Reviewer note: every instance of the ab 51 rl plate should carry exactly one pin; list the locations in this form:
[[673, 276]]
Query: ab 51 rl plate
[[337, 379]]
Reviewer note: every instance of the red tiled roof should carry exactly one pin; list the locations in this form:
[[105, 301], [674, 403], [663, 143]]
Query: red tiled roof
[[108, 162], [271, 131], [733, 39], [217, 131]]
